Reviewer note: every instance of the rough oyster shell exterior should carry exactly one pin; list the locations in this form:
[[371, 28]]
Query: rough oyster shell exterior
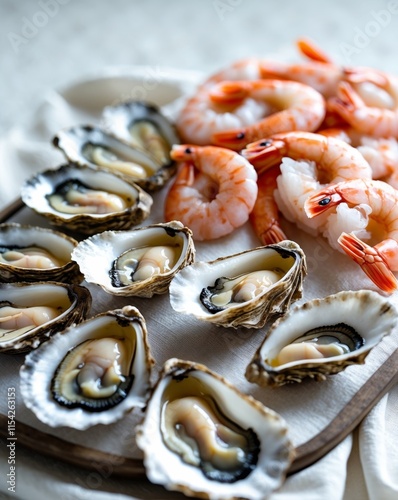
[[186, 287], [59, 244], [367, 312], [41, 365], [77, 298], [36, 190], [164, 466], [109, 245]]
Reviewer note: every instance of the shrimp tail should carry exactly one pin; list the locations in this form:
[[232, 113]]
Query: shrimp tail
[[371, 261], [309, 49], [230, 93], [320, 202], [346, 102], [274, 234]]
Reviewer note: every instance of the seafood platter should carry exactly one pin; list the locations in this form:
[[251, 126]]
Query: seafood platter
[[198, 278]]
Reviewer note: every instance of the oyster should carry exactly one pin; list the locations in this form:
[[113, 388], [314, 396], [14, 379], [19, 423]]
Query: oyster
[[143, 126], [86, 200], [92, 373], [30, 253], [322, 337], [32, 312], [244, 289], [203, 437], [139, 262], [90, 146]]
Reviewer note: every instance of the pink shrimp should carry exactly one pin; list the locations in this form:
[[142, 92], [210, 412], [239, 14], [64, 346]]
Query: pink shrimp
[[380, 257], [264, 217], [307, 161], [381, 153], [214, 191], [377, 117], [295, 107], [321, 73]]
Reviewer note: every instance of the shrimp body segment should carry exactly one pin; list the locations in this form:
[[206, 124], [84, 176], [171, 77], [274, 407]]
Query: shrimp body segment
[[378, 119], [335, 159], [294, 106], [264, 217], [379, 258], [214, 191]]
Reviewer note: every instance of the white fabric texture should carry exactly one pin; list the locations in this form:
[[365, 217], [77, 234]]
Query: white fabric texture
[[347, 473]]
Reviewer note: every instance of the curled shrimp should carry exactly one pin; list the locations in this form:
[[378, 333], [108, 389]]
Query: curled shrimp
[[381, 153], [264, 217], [307, 161], [320, 72], [377, 117], [214, 191], [294, 106], [379, 257]]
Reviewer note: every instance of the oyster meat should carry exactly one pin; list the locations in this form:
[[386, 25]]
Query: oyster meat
[[322, 337], [139, 262], [30, 253], [86, 200], [202, 437], [92, 373], [31, 312], [244, 289]]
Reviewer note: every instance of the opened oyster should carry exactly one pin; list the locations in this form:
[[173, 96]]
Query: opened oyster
[[244, 289], [203, 437], [92, 373], [93, 147], [143, 127], [30, 253], [322, 337], [31, 312], [86, 200], [139, 262]]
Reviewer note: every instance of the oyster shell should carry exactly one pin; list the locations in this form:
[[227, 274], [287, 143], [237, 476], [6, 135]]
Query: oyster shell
[[243, 289], [140, 262], [202, 437], [92, 373], [31, 312], [144, 127], [31, 253], [322, 337], [86, 200], [90, 146]]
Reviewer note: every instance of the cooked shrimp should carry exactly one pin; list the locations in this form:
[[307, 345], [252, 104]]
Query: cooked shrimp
[[381, 153], [378, 118], [307, 162], [321, 73], [380, 257], [202, 116], [295, 107], [264, 217], [214, 192]]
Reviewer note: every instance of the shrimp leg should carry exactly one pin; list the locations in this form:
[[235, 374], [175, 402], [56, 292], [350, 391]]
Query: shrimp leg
[[264, 217]]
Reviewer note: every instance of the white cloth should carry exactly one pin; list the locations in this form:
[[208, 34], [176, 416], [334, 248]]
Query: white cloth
[[369, 469]]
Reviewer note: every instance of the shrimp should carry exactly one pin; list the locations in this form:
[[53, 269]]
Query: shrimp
[[264, 217], [377, 117], [307, 161], [379, 258], [381, 153], [321, 73], [214, 191], [295, 106]]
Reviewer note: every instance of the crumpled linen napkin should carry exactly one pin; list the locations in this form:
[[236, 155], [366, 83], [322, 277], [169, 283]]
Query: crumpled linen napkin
[[369, 469]]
